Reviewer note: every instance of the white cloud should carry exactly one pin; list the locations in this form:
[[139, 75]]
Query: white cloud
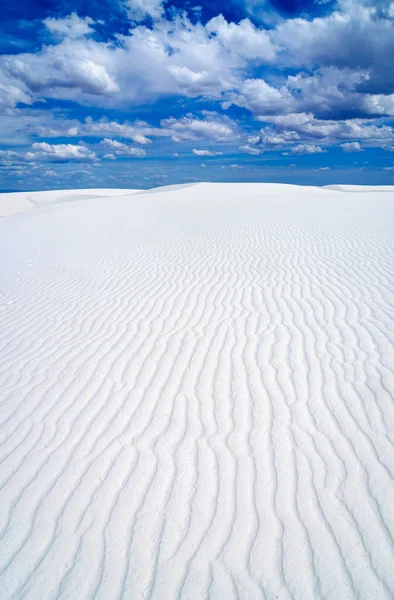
[[290, 127], [259, 97], [207, 125], [11, 95], [243, 39], [62, 71], [351, 147], [262, 10], [71, 26], [271, 137], [172, 57], [306, 149], [8, 156], [212, 126], [109, 156], [122, 149], [136, 132], [353, 36], [352, 47], [326, 92], [138, 9], [206, 152], [60, 152], [379, 104], [233, 166], [250, 149], [253, 139]]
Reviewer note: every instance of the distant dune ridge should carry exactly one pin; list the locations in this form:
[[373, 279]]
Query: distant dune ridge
[[196, 391], [17, 202]]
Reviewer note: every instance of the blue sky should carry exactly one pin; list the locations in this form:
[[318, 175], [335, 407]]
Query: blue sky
[[139, 93]]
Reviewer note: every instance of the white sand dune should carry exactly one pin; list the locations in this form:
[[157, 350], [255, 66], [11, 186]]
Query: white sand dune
[[360, 188], [17, 202], [197, 395]]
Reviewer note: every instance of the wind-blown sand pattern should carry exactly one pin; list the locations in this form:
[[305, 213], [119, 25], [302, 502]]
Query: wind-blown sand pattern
[[197, 395]]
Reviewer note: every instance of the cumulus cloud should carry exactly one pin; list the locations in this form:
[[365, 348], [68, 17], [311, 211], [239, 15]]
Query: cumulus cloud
[[9, 157], [55, 72], [175, 56], [352, 47], [60, 152], [243, 39], [250, 149], [306, 149], [287, 128], [121, 149], [327, 92], [211, 126], [101, 128], [73, 131], [11, 95], [139, 9], [71, 26], [258, 96], [271, 137], [206, 152], [206, 125], [351, 147], [355, 36]]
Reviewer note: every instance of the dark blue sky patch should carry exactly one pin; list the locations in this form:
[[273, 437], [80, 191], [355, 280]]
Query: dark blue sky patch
[[306, 8]]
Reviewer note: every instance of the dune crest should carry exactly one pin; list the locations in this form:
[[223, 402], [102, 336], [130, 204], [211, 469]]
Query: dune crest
[[18, 202]]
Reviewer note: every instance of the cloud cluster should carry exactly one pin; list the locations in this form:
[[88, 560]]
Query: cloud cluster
[[11, 95], [351, 147], [327, 92], [206, 152], [352, 48], [210, 126], [120, 149], [356, 36], [173, 56], [139, 9], [306, 149], [61, 152], [9, 157], [248, 149], [205, 125], [287, 129], [72, 26]]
